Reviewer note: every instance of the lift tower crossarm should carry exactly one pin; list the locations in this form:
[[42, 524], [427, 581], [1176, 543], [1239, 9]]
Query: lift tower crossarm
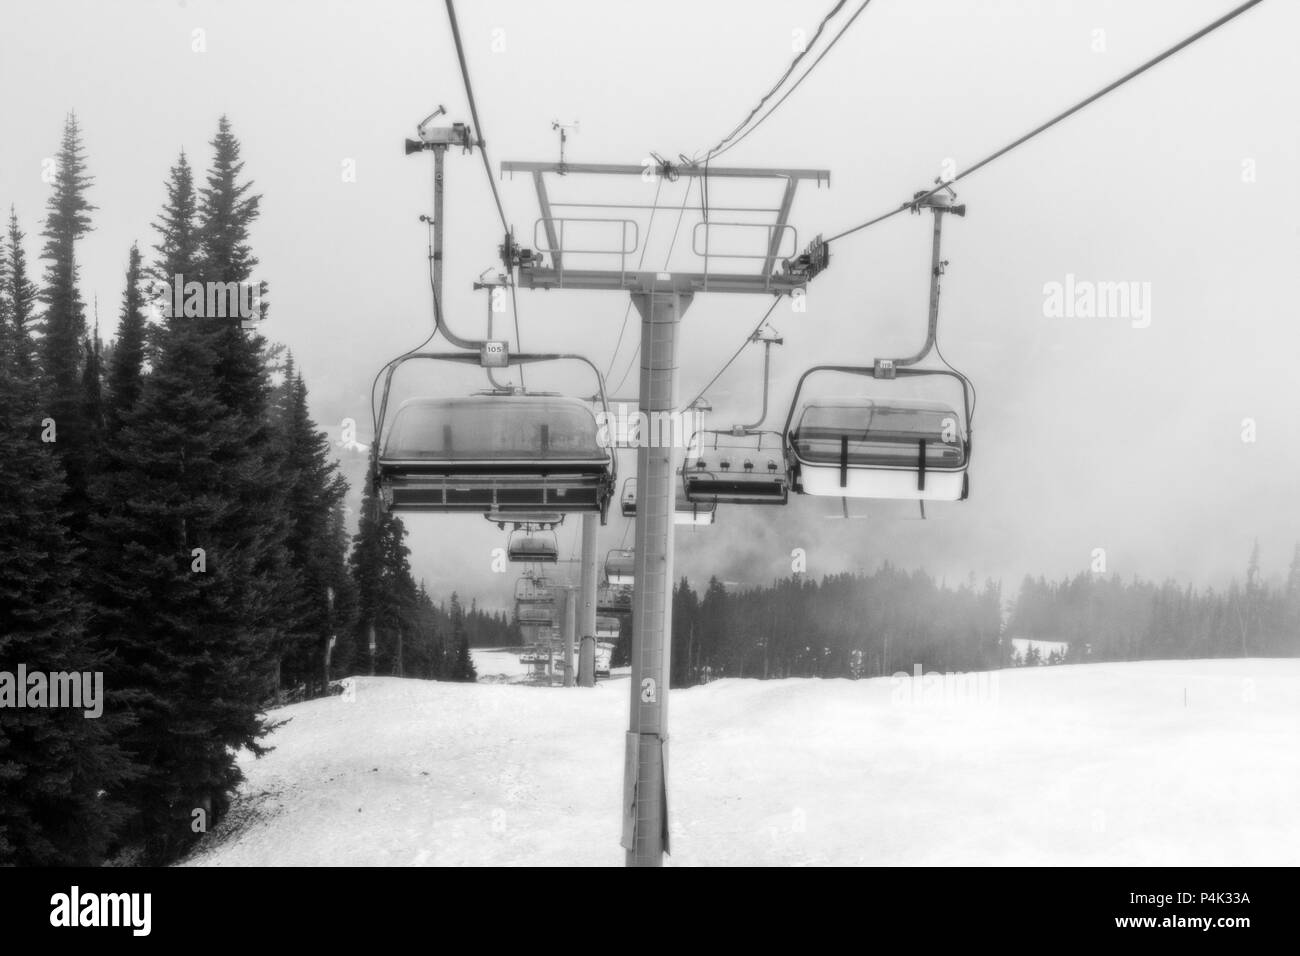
[[624, 169], [766, 279], [613, 280]]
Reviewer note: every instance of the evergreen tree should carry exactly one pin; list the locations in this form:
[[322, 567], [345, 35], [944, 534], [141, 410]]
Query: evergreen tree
[[92, 390], [462, 667], [241, 383], [345, 656], [226, 213], [57, 766], [687, 636], [1289, 639], [191, 520], [226, 210], [7, 323], [19, 292], [381, 576], [126, 369], [177, 252], [317, 556], [64, 329], [193, 667]]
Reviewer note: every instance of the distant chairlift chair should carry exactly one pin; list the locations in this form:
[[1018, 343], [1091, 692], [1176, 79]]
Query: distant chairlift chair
[[685, 512]]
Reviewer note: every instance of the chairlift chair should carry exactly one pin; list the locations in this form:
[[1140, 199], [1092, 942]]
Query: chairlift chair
[[611, 599], [534, 601], [535, 613], [880, 448], [526, 520], [534, 589], [620, 567], [684, 511], [500, 453], [737, 470], [533, 548]]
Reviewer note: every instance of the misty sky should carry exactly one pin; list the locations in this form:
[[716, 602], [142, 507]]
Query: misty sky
[[1090, 432]]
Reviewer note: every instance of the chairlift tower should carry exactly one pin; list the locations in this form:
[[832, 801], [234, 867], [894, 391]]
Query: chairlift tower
[[661, 300]]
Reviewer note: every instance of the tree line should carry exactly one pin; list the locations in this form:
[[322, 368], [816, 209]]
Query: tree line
[[172, 517], [1107, 619], [878, 624], [846, 625]]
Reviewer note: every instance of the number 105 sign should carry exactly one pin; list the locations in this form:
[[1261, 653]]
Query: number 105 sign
[[494, 354]]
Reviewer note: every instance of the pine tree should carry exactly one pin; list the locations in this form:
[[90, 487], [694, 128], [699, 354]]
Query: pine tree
[[316, 558], [57, 767], [462, 667], [385, 589], [177, 251], [92, 390], [1290, 637], [226, 210], [191, 522], [126, 369], [345, 656], [191, 669], [64, 328], [6, 310], [18, 293], [241, 383], [226, 213]]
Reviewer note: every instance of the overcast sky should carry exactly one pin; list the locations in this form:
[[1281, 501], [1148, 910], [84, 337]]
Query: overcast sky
[[1090, 432]]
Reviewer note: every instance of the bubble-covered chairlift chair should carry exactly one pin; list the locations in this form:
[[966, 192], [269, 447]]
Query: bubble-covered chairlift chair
[[620, 567], [899, 448], [896, 448], [499, 453], [527, 547]]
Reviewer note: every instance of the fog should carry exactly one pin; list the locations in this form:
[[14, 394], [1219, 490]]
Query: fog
[[1117, 433]]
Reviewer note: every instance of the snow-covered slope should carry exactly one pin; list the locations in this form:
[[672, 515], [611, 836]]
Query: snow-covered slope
[[1170, 763], [499, 665]]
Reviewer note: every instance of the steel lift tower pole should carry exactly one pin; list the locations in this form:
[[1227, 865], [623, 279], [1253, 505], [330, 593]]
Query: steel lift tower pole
[[645, 830], [661, 299], [587, 605]]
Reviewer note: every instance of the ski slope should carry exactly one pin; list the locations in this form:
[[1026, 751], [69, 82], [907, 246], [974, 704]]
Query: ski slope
[[1153, 763], [499, 664]]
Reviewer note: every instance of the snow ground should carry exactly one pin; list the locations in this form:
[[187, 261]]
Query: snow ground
[[502, 666], [498, 664], [1154, 763]]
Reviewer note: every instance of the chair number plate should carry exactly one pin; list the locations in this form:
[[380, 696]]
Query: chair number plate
[[494, 354]]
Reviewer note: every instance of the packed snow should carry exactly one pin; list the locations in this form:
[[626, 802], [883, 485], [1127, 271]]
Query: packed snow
[[1172, 763], [499, 664]]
